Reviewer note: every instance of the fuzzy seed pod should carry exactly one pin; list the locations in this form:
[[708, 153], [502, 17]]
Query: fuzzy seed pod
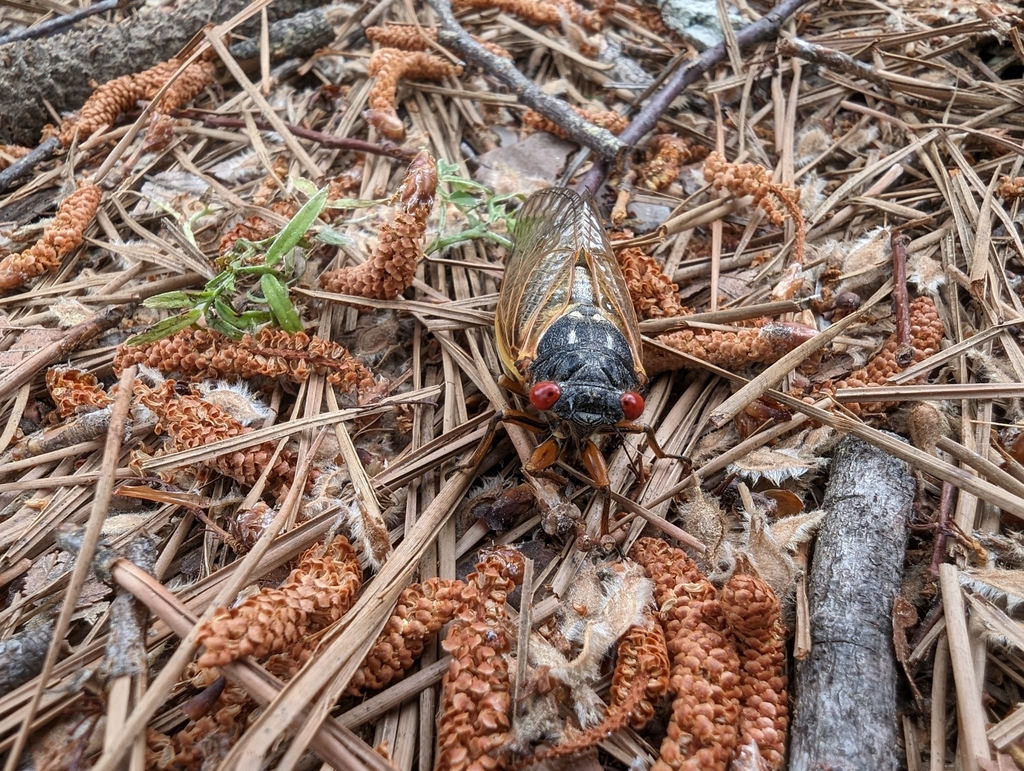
[[705, 679], [60, 237], [754, 616], [315, 595], [392, 266]]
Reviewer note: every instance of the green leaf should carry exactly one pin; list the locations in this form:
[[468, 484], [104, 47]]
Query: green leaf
[[222, 282], [171, 300], [166, 328], [218, 324], [303, 185], [226, 312], [280, 304], [463, 200], [251, 319], [333, 237], [294, 230]]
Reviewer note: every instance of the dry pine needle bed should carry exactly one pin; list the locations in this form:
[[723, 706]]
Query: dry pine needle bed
[[258, 507]]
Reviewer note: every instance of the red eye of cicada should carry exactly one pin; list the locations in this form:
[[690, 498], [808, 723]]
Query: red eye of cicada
[[544, 395], [632, 405]]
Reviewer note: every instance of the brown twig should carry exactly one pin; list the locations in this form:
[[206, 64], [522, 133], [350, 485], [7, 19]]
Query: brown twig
[[765, 28], [829, 57], [60, 23], [30, 366], [387, 149], [941, 529], [452, 36], [904, 337], [24, 166]]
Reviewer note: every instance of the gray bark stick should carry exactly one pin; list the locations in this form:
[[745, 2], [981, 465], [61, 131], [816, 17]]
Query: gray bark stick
[[59, 69], [845, 691]]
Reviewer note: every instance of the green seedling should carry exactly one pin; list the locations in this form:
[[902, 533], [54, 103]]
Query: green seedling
[[481, 207], [268, 263]]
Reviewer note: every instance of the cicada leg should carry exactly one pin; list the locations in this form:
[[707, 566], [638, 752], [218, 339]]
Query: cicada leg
[[512, 385], [652, 440], [523, 419], [543, 458], [597, 467], [595, 464]]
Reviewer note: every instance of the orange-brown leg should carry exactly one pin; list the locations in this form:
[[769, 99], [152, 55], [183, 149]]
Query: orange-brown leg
[[596, 466], [543, 457], [598, 470], [652, 441]]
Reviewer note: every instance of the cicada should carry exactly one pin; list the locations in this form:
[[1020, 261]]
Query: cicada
[[566, 330]]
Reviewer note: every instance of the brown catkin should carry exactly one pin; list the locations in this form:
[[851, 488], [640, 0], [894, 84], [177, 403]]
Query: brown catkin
[[318, 592], [208, 355], [387, 67], [668, 156], [392, 266], [643, 656], [475, 723], [926, 331], [754, 616], [654, 294], [74, 391], [705, 674], [421, 611], [60, 237], [190, 421], [741, 347], [606, 119]]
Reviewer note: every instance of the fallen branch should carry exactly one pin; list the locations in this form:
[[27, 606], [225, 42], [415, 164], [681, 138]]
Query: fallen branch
[[765, 28], [60, 23], [387, 149], [846, 687], [59, 70], [452, 36]]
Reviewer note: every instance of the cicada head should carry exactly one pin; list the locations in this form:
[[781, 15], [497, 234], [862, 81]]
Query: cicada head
[[587, 388]]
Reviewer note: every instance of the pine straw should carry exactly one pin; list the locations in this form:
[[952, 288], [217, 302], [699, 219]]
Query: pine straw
[[948, 131]]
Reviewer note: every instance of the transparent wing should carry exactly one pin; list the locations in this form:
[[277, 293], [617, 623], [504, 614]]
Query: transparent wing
[[558, 231]]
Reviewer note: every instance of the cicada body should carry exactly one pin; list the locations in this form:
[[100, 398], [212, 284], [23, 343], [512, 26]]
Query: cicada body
[[566, 330]]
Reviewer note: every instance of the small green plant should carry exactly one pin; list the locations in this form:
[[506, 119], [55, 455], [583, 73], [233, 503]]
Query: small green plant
[[268, 263], [480, 206]]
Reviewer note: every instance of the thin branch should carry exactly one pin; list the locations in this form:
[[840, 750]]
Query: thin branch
[[53, 26], [765, 28], [452, 36], [901, 298], [387, 149], [24, 166], [829, 57]]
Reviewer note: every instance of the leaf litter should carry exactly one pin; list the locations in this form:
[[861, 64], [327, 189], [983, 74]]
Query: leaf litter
[[767, 206]]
